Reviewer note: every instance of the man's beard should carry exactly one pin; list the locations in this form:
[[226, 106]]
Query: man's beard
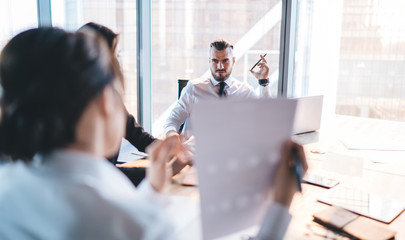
[[219, 78]]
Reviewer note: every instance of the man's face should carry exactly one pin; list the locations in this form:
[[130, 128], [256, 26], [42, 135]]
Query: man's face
[[221, 63]]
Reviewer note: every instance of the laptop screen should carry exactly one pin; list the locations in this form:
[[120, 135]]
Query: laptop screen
[[308, 114]]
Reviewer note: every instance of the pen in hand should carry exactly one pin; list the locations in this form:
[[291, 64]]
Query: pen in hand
[[258, 62], [298, 168]]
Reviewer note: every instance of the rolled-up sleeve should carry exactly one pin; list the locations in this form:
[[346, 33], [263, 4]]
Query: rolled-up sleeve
[[181, 111], [136, 135], [264, 92]]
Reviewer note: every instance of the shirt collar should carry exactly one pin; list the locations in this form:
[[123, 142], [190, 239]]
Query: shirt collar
[[214, 82]]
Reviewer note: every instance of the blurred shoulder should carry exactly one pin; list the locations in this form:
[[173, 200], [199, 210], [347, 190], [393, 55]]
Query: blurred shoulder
[[202, 81]]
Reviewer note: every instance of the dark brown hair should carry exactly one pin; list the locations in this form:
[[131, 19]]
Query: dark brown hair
[[48, 77], [220, 44]]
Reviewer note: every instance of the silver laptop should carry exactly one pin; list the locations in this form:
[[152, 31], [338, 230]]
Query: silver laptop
[[308, 114]]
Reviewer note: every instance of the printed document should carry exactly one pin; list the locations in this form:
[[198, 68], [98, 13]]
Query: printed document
[[238, 143]]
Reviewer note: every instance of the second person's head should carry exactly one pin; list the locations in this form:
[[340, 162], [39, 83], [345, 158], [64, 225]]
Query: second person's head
[[221, 59]]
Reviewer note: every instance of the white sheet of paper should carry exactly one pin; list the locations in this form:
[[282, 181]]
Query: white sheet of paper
[[350, 165], [376, 134], [362, 142], [238, 144], [129, 153]]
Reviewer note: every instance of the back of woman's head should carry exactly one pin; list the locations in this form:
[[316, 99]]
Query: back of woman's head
[[48, 77]]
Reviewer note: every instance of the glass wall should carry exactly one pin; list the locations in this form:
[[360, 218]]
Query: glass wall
[[350, 51], [182, 31], [119, 16], [14, 18], [353, 52]]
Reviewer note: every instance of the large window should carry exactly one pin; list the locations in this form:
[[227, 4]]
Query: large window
[[353, 52], [14, 18], [181, 34], [118, 15]]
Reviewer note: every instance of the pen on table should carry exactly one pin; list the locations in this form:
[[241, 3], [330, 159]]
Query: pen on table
[[172, 161], [298, 168], [139, 154], [258, 62]]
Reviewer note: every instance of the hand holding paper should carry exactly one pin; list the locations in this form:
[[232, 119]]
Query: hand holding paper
[[285, 183]]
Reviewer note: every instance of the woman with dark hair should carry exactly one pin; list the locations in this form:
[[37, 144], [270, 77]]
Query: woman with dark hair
[[61, 101], [134, 132]]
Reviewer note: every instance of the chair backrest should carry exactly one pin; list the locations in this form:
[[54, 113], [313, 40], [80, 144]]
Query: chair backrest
[[181, 83]]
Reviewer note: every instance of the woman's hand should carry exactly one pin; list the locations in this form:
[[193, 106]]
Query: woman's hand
[[161, 153], [286, 178]]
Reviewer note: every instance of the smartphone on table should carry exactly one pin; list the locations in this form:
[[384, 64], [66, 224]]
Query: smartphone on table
[[320, 181]]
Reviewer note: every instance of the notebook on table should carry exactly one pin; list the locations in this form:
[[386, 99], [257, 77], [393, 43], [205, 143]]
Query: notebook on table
[[352, 225], [371, 205]]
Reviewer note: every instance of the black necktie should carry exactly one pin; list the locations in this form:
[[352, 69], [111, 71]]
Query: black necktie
[[221, 92]]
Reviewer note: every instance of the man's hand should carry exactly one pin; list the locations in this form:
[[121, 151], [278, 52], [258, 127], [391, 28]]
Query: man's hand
[[263, 72], [286, 178], [181, 152]]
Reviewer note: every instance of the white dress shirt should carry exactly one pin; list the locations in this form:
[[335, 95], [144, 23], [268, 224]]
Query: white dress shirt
[[72, 195], [205, 89]]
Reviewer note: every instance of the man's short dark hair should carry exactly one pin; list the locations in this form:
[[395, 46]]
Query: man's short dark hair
[[221, 44]]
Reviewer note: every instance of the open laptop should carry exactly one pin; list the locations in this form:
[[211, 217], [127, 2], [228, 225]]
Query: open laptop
[[308, 114]]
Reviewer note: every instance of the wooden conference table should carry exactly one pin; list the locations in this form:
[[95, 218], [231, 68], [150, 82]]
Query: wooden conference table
[[381, 170]]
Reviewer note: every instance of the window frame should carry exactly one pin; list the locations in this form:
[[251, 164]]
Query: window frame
[[44, 13]]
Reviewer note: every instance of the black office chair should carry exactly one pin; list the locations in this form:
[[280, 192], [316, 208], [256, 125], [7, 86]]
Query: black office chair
[[181, 83]]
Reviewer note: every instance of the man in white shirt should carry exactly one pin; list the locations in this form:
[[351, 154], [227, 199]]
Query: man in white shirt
[[221, 62]]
